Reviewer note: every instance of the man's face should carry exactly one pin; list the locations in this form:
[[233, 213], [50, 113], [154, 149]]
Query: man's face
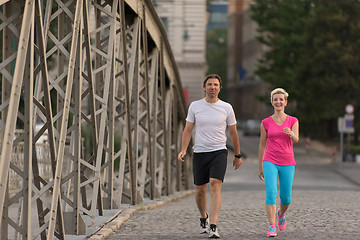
[[212, 87]]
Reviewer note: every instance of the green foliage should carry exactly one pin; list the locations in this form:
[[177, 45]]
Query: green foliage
[[281, 27], [328, 77], [313, 53], [355, 149], [90, 149], [117, 146], [216, 55]]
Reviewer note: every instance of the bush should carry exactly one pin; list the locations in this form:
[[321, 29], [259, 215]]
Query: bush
[[355, 149]]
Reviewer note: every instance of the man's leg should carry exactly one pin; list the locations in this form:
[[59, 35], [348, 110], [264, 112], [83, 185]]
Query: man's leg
[[200, 198], [215, 200]]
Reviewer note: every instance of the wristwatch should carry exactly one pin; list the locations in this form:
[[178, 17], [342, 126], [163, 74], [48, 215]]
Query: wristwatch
[[239, 155]]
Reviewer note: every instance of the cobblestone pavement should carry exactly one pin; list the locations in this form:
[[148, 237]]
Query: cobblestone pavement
[[325, 205]]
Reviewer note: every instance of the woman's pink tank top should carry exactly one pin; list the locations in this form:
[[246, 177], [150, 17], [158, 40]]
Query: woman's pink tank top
[[279, 148]]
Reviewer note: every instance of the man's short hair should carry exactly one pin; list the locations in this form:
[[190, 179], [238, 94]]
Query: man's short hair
[[213, 75]]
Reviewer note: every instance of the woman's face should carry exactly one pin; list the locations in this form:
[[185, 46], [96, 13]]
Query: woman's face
[[279, 102]]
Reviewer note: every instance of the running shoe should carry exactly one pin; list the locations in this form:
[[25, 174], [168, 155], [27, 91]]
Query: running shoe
[[282, 221], [214, 233], [272, 231], [204, 224]]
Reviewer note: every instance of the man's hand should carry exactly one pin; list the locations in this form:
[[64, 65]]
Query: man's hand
[[181, 156], [236, 163]]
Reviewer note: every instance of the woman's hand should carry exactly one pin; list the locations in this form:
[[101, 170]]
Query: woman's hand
[[261, 175], [288, 132]]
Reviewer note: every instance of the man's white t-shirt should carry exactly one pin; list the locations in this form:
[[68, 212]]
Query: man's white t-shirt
[[211, 120]]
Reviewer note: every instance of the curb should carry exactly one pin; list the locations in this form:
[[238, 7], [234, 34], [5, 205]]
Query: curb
[[346, 176], [115, 223]]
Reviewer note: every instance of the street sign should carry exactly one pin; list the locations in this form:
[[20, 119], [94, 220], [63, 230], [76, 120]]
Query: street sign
[[346, 123], [349, 109]]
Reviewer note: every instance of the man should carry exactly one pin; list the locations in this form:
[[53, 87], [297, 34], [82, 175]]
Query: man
[[210, 116]]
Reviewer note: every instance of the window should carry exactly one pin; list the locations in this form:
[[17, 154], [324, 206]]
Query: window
[[165, 23]]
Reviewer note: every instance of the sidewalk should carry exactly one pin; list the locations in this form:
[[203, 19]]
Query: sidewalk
[[112, 224], [318, 191], [348, 170], [245, 201]]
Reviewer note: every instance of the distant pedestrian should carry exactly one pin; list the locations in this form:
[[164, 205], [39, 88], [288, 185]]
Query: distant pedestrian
[[276, 158], [210, 116]]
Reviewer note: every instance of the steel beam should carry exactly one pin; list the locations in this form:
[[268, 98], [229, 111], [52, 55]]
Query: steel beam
[[92, 92]]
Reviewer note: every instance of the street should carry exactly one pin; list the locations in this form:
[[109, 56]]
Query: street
[[324, 205]]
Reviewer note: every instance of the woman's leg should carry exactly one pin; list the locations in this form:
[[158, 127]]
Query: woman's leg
[[286, 177], [270, 175], [270, 213]]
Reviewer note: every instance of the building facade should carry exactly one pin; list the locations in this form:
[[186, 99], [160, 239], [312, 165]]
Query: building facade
[[217, 14], [244, 86], [185, 22]]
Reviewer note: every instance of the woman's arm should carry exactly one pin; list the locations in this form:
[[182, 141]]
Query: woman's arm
[[262, 146], [293, 133], [295, 130]]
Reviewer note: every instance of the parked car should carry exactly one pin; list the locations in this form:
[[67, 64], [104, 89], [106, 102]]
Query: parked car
[[250, 127]]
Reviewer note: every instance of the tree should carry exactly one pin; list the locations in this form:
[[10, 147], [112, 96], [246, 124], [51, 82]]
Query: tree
[[216, 55], [313, 48], [328, 77], [281, 29]]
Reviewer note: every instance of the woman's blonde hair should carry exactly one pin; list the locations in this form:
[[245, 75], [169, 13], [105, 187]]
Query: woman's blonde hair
[[278, 91]]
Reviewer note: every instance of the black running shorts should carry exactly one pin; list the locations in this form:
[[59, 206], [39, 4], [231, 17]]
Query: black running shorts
[[208, 165]]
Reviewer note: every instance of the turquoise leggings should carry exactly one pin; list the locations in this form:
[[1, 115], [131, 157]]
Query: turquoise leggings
[[286, 177]]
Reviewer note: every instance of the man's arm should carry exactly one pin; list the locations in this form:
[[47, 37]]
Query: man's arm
[[235, 142], [234, 138], [186, 136]]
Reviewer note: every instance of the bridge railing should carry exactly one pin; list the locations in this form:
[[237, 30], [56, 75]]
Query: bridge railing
[[99, 80]]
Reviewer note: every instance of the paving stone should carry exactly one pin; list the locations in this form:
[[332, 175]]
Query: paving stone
[[324, 205]]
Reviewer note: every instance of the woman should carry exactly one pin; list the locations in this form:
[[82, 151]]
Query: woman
[[276, 158]]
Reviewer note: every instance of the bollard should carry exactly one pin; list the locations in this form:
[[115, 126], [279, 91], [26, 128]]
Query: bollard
[[333, 153]]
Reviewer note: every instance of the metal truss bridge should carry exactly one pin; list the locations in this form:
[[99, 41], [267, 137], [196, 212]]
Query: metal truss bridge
[[92, 113]]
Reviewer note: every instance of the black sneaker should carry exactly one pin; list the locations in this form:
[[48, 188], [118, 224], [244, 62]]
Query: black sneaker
[[204, 224], [213, 232]]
